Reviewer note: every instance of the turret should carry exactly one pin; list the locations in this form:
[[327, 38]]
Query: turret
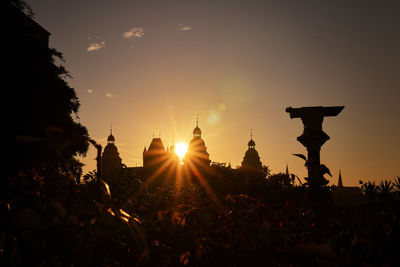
[[251, 160], [111, 159]]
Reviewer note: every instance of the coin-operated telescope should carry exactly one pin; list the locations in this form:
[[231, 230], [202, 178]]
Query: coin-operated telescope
[[313, 136]]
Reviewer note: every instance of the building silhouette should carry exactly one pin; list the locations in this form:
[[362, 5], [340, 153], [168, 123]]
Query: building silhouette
[[251, 160], [340, 182], [29, 29], [111, 161], [197, 156], [156, 156]]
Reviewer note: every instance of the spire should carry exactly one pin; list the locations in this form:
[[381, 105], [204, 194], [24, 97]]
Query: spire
[[110, 138], [287, 170], [340, 182], [197, 131], [144, 150], [251, 144]]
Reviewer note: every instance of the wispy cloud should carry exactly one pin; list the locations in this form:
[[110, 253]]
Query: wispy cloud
[[184, 28], [134, 33], [93, 37], [90, 91], [110, 95], [96, 46]]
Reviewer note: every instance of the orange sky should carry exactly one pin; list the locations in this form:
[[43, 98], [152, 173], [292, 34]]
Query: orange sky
[[151, 66]]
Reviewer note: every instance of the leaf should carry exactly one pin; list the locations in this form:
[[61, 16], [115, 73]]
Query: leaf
[[300, 156], [184, 258], [325, 170], [105, 188]]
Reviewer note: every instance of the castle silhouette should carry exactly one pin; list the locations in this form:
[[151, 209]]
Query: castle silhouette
[[158, 157]]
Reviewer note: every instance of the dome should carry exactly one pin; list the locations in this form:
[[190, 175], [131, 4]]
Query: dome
[[251, 154], [110, 149], [196, 142], [251, 160], [251, 143], [110, 138], [197, 131]]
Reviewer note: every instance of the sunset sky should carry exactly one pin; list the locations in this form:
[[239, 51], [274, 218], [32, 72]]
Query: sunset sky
[[148, 67]]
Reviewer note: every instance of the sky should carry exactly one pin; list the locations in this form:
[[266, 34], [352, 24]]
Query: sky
[[149, 67]]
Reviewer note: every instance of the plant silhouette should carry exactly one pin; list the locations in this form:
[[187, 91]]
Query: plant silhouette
[[322, 181]]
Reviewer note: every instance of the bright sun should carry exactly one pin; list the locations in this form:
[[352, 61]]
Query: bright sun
[[181, 149]]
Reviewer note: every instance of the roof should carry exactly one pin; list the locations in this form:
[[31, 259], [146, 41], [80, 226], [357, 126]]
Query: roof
[[251, 143], [156, 144], [111, 138], [197, 131]]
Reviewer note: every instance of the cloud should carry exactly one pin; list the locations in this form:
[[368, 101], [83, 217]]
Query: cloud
[[90, 91], [96, 46], [92, 36], [134, 33], [184, 28], [110, 95]]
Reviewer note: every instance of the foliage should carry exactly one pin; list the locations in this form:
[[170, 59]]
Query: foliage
[[124, 222], [43, 106], [76, 225], [23, 6], [386, 187], [370, 190], [279, 180], [384, 192], [321, 181], [396, 183]]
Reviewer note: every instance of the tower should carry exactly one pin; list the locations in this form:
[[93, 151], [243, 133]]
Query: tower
[[340, 182], [155, 155], [197, 151], [111, 159], [251, 160]]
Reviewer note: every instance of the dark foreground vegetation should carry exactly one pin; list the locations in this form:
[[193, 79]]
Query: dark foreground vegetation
[[48, 219]]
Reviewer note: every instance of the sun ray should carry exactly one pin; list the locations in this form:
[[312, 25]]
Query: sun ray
[[153, 176], [202, 181]]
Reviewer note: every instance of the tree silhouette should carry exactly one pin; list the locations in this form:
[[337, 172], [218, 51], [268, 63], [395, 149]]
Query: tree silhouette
[[43, 106]]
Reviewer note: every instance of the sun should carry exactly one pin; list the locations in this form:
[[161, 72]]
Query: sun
[[181, 149]]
